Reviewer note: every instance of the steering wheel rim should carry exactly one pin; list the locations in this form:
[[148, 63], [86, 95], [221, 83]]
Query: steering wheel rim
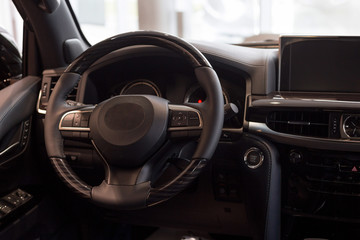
[[141, 194]]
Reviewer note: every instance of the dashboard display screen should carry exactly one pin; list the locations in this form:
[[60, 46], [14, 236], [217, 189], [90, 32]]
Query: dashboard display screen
[[320, 64]]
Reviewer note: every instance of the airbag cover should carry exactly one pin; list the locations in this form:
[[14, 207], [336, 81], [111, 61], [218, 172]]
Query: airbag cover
[[128, 129]]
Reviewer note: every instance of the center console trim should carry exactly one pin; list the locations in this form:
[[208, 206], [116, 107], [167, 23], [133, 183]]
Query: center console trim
[[303, 141]]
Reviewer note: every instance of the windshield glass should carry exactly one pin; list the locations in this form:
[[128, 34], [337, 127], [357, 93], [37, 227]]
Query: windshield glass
[[230, 21]]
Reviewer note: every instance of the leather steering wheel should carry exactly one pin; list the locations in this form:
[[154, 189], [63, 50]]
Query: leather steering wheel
[[128, 131]]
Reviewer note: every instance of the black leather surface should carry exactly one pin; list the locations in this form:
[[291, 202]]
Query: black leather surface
[[184, 49], [17, 103], [212, 111], [57, 106], [66, 174], [177, 185], [121, 196]]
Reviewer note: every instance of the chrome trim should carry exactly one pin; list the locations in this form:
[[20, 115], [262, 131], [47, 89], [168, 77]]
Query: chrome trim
[[305, 102], [38, 109], [255, 149], [183, 128], [80, 129], [77, 129], [343, 125], [141, 82], [185, 108], [311, 142], [9, 148]]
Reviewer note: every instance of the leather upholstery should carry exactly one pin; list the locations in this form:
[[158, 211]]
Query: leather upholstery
[[17, 103]]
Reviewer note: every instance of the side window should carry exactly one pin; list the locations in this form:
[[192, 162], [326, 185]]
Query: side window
[[11, 21], [10, 61], [11, 26]]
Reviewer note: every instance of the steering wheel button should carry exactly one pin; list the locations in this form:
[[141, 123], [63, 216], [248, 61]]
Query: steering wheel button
[[84, 134], [76, 134], [179, 119], [193, 119], [84, 123], [194, 122], [69, 117], [68, 120], [193, 115], [85, 116], [76, 123], [66, 134], [77, 120]]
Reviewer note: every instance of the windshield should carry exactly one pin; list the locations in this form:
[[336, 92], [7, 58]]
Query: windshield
[[229, 21]]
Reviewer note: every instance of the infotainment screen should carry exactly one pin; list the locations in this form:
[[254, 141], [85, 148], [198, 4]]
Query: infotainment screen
[[320, 64]]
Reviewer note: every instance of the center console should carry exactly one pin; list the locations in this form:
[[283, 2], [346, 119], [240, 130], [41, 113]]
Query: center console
[[314, 121]]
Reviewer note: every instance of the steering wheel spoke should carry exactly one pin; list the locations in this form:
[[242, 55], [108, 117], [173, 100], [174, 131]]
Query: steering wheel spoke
[[184, 121], [75, 123]]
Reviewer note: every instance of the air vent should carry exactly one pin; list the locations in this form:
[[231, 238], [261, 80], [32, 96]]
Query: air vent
[[303, 123], [72, 94], [333, 175], [50, 78], [53, 81]]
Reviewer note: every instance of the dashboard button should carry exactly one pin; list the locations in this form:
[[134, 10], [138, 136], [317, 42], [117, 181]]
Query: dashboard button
[[295, 157], [253, 158]]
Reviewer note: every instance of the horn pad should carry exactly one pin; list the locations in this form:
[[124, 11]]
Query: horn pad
[[128, 129]]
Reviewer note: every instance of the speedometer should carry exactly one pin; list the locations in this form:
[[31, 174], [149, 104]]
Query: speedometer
[[141, 86]]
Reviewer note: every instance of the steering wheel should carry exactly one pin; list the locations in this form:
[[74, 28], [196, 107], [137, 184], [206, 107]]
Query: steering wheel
[[129, 131]]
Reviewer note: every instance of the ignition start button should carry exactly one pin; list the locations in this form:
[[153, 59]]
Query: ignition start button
[[253, 158]]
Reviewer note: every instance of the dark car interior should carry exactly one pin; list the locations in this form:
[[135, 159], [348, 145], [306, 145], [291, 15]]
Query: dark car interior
[[148, 136]]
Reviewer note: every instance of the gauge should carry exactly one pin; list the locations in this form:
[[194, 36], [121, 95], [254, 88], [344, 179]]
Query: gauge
[[351, 126], [197, 95], [141, 86]]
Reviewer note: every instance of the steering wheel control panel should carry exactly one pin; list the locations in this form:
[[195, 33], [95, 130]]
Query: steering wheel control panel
[[75, 124]]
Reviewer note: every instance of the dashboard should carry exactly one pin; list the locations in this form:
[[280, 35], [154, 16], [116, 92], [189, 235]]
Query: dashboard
[[165, 76], [282, 150]]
